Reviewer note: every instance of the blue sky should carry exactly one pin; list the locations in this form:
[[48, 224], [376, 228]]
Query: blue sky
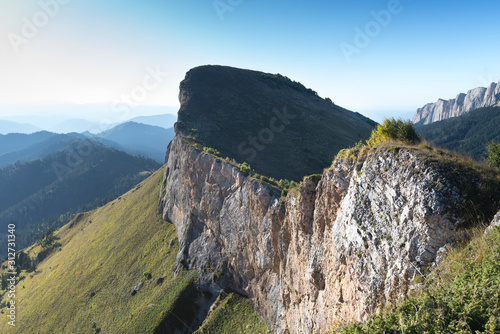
[[98, 51]]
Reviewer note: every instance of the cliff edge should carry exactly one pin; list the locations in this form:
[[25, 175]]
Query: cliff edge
[[345, 243]]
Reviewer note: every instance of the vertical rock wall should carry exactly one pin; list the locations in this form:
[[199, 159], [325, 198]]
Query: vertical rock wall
[[336, 249]]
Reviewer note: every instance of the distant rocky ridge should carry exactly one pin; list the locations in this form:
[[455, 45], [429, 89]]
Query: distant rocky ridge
[[443, 109]]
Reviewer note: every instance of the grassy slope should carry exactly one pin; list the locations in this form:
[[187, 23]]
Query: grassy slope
[[232, 314], [106, 252]]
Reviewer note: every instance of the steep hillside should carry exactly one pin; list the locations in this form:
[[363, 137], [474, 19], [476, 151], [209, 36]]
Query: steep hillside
[[139, 139], [89, 278], [278, 126], [468, 134], [83, 174], [343, 244], [480, 97]]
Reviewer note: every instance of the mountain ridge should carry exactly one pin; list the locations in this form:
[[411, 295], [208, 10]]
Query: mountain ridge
[[479, 97], [7, 127], [139, 139], [281, 128]]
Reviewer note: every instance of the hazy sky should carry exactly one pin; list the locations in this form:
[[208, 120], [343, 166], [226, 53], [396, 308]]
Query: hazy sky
[[380, 58]]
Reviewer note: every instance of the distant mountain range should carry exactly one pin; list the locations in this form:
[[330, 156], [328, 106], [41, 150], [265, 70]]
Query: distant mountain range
[[34, 146], [47, 116], [77, 177], [29, 125], [18, 141], [46, 177], [165, 121], [139, 139], [79, 126], [134, 138], [480, 97], [15, 127]]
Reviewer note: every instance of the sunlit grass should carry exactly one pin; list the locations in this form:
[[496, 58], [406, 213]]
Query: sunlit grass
[[103, 255]]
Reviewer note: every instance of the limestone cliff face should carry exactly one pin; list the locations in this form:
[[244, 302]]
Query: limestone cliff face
[[339, 247], [443, 109]]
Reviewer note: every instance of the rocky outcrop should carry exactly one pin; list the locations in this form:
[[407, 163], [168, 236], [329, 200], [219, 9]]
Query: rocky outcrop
[[494, 222], [443, 109], [336, 249]]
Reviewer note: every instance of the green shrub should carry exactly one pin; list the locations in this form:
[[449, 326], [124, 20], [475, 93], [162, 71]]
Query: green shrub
[[284, 184], [394, 129], [287, 184], [281, 184], [148, 275], [211, 150], [493, 153], [245, 168], [217, 276]]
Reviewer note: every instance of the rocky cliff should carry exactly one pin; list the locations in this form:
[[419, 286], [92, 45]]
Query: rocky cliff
[[443, 109], [337, 248]]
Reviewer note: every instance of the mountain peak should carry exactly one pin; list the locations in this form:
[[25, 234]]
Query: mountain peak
[[278, 126]]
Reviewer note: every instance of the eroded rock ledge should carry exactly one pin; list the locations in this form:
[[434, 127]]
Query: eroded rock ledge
[[335, 250]]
